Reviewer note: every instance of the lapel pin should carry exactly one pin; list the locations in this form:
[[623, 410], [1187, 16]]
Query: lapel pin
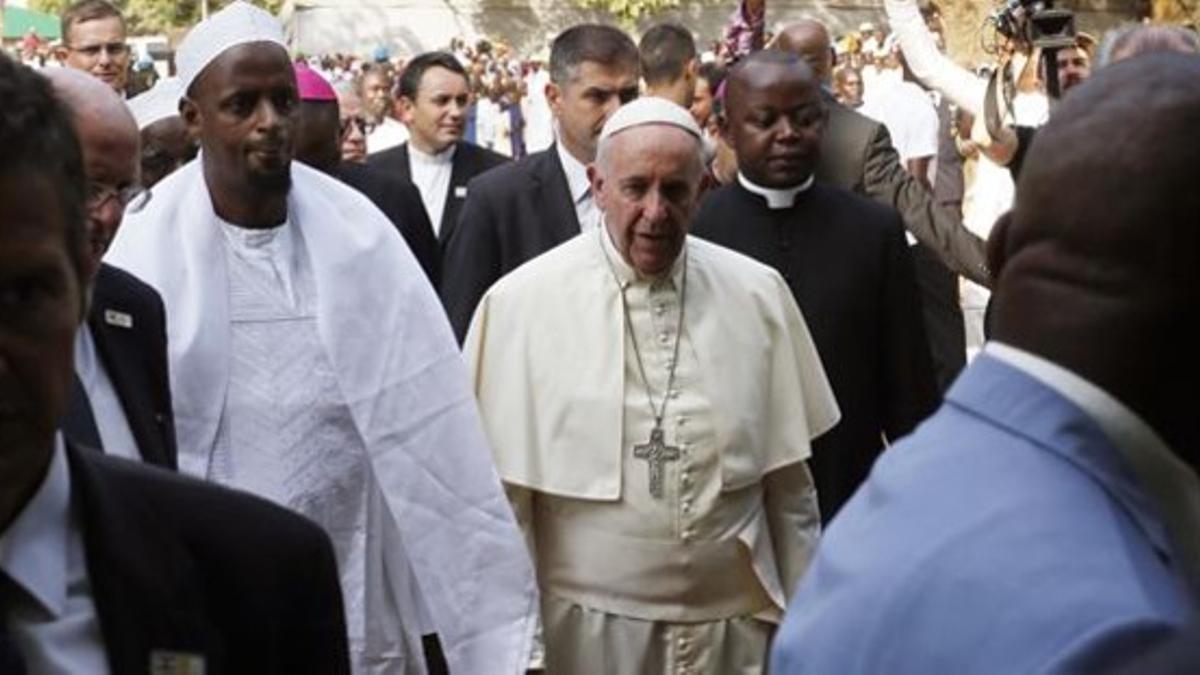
[[119, 319], [460, 192]]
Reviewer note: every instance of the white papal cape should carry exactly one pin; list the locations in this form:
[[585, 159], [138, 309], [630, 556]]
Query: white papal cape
[[401, 376], [687, 581]]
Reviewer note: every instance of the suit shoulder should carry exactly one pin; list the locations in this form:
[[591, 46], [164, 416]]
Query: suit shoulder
[[114, 284], [192, 506], [853, 123], [858, 208], [508, 176], [482, 157], [386, 158]]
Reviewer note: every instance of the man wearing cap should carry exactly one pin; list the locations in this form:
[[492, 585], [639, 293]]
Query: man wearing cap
[[311, 364], [650, 399], [166, 145], [319, 145]]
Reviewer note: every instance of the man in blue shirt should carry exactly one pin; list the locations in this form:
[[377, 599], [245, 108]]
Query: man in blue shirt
[[1047, 518]]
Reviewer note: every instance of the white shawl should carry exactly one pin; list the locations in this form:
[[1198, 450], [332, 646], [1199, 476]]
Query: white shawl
[[402, 378]]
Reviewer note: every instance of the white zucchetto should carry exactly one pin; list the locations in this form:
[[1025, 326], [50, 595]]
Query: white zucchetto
[[649, 110], [157, 103]]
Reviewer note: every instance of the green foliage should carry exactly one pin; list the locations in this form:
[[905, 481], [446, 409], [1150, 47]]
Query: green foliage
[[156, 16], [629, 11]]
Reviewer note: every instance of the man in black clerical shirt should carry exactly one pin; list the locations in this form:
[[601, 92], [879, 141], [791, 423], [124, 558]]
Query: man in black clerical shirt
[[844, 257], [108, 565]]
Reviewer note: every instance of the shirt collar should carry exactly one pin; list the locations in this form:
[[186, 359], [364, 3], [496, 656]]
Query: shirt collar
[[443, 158], [777, 198], [1172, 485], [577, 178], [626, 275], [34, 548]]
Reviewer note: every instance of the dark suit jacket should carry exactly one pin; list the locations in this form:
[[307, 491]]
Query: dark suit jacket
[[400, 201], [857, 154], [179, 565], [470, 160], [849, 267], [134, 356], [512, 214]]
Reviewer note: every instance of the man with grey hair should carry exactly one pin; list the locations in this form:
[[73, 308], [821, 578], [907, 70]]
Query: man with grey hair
[[650, 399], [520, 210]]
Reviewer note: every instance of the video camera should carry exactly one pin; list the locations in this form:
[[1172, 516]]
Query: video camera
[[1034, 23]]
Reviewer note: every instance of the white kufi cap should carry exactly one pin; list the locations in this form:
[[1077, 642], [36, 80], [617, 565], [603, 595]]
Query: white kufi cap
[[156, 104], [238, 24], [650, 110]]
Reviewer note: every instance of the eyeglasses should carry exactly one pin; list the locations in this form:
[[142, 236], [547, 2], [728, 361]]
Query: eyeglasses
[[132, 198], [359, 121], [113, 49]]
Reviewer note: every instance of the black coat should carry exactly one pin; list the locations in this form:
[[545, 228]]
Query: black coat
[[470, 160], [512, 214], [179, 565], [400, 201], [128, 326], [848, 265], [857, 154]]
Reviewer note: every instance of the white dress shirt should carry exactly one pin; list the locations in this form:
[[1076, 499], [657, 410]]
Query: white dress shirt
[[431, 175], [777, 198], [115, 434], [388, 134], [581, 189], [53, 619]]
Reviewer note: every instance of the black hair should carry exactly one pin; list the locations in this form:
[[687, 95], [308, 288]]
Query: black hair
[[410, 78], [665, 52], [38, 136], [589, 42]]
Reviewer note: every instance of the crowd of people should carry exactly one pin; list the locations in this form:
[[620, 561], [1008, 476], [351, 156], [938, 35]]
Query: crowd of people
[[796, 355]]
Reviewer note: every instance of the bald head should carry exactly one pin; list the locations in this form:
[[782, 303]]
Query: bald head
[[108, 136], [1103, 240], [808, 39]]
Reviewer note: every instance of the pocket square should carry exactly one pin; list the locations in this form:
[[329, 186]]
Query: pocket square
[[163, 662], [460, 191], [119, 319]]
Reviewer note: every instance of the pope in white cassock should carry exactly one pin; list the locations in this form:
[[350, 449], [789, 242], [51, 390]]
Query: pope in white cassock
[[650, 399], [311, 364]]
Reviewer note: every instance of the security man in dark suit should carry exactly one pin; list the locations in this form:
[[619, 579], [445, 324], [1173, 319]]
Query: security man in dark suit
[[434, 96], [108, 565], [121, 401], [520, 210]]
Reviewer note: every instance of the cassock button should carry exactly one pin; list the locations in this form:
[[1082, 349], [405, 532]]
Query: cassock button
[[674, 393], [664, 338]]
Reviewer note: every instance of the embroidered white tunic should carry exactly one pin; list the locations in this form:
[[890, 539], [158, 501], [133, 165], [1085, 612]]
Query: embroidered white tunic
[[689, 582], [285, 433]]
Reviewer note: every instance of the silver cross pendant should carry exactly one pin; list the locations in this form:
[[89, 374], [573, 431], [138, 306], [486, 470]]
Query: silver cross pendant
[[656, 452]]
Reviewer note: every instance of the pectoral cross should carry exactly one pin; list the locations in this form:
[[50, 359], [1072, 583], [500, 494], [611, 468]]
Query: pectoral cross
[[656, 452]]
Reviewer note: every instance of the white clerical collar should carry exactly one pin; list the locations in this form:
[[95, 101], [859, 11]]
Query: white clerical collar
[[443, 158], [777, 198], [1172, 484], [577, 178], [626, 275], [34, 549]]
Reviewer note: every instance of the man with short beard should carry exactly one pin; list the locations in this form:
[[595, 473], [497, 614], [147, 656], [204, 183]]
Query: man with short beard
[[312, 365]]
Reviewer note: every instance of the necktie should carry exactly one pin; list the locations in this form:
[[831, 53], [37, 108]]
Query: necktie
[[11, 661], [79, 424]]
